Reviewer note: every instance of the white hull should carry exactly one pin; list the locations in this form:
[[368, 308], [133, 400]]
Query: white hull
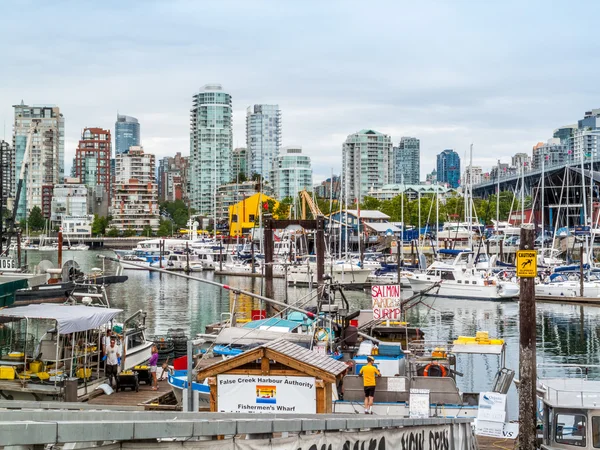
[[401, 409], [479, 291], [138, 355], [568, 289], [139, 265], [342, 274]]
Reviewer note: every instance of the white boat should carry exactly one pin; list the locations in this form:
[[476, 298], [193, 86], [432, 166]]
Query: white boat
[[178, 261], [79, 247], [342, 272], [462, 282], [560, 285], [455, 232]]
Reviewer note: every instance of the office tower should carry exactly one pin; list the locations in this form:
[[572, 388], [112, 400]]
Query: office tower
[[92, 167], [211, 139], [366, 163], [407, 159], [291, 173], [448, 168], [127, 133], [7, 157], [263, 138], [172, 178], [239, 164], [135, 204], [46, 158]]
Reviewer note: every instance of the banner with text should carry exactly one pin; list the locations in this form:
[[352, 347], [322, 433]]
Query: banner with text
[[386, 302], [266, 394]]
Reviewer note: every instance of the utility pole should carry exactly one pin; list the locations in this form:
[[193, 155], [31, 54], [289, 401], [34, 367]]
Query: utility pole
[[527, 350]]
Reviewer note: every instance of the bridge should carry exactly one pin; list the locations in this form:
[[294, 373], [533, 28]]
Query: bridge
[[32, 425]]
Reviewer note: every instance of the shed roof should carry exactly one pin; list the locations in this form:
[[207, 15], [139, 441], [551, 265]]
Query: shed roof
[[307, 356]]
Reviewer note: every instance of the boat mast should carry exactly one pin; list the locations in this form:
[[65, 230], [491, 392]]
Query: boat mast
[[470, 198], [542, 200], [402, 220], [498, 198], [523, 193]]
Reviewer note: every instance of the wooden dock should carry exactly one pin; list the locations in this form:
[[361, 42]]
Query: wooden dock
[[132, 398], [562, 299], [488, 443]]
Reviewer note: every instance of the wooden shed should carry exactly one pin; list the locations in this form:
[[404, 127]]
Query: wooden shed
[[278, 377]]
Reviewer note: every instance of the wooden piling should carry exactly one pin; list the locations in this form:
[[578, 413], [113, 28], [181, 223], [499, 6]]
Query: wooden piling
[[527, 351]]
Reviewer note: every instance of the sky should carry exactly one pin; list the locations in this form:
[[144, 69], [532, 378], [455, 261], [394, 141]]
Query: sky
[[499, 74]]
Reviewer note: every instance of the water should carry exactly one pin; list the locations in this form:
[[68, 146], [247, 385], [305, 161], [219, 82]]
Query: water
[[565, 333]]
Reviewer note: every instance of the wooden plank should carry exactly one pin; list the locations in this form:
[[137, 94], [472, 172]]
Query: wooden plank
[[213, 398], [129, 397], [299, 365], [574, 300], [490, 443], [321, 407], [278, 372], [265, 365]]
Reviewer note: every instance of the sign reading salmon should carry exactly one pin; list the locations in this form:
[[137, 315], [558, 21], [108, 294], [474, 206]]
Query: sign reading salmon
[[386, 302]]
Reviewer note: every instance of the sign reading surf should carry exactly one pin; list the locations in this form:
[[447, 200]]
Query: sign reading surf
[[386, 302]]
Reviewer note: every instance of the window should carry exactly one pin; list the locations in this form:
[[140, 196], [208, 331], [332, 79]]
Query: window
[[234, 218], [251, 218], [596, 431], [570, 429]]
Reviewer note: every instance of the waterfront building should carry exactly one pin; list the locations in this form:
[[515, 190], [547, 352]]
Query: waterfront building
[[475, 172], [292, 172], [46, 158], [263, 138], [127, 133], [448, 168], [232, 193], [240, 164], [366, 163], [211, 144], [92, 167], [68, 200], [135, 203], [77, 227], [554, 153], [244, 215], [330, 188], [172, 178], [412, 191], [407, 161], [566, 136]]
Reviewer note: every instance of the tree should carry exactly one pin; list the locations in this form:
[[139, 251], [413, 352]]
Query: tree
[[165, 227], [36, 219], [129, 232], [113, 232], [99, 225], [370, 203], [148, 231]]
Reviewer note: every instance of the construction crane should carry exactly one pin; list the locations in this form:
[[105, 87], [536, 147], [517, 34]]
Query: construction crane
[[314, 209], [24, 165]]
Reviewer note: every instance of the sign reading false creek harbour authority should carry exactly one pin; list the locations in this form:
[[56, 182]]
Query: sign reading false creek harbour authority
[[266, 394], [386, 302], [527, 263]]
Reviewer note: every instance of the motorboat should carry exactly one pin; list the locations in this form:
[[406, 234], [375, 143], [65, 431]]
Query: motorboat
[[179, 261], [564, 285], [445, 280], [142, 259], [343, 273], [81, 247], [455, 232]]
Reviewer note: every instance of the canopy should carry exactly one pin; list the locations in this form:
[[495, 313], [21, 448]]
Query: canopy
[[70, 318], [244, 336]]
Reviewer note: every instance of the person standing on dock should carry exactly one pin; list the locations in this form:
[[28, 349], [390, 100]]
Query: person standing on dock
[[369, 374], [153, 363], [113, 358]]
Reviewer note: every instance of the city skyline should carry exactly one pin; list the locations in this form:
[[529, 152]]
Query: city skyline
[[474, 85]]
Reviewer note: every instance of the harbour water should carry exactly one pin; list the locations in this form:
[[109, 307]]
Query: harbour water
[[565, 333]]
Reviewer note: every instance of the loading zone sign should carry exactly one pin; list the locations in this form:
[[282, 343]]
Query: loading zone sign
[[527, 263]]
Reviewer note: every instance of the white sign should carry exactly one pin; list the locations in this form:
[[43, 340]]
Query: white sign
[[266, 394], [396, 384], [7, 263], [496, 429], [418, 403], [492, 407], [386, 302]]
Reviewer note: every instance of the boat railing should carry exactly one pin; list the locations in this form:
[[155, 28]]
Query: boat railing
[[581, 370]]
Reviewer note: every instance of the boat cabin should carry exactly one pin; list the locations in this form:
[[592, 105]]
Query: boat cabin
[[570, 413]]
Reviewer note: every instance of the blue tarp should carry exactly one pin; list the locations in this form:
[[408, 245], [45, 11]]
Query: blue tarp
[[273, 322]]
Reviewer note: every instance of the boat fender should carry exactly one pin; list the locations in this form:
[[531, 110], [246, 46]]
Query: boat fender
[[437, 367]]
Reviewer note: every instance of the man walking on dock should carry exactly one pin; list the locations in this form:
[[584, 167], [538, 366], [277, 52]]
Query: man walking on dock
[[113, 357], [369, 374]]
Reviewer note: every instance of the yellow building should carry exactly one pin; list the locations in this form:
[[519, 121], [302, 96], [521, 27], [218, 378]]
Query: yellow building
[[243, 215]]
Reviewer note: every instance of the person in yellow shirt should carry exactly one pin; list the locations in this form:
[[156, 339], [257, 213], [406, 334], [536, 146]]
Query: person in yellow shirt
[[369, 374]]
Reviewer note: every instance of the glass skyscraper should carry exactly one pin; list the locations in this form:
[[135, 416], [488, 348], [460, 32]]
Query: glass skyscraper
[[127, 133], [211, 145], [407, 159], [263, 138], [292, 173], [448, 168]]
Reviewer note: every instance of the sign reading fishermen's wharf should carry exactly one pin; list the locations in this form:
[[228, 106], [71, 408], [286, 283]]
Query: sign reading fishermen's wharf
[[386, 302], [266, 394], [527, 263]]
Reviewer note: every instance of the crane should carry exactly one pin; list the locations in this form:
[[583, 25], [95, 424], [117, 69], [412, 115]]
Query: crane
[[24, 165], [314, 209]]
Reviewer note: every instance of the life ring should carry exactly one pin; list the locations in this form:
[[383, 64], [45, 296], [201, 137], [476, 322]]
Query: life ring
[[438, 370]]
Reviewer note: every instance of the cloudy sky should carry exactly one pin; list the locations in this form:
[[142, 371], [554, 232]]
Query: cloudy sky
[[500, 74]]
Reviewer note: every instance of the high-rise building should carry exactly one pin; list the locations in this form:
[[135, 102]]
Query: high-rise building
[[211, 139], [135, 204], [292, 172], [407, 160], [92, 167], [431, 178], [127, 133], [239, 164], [46, 158], [566, 136], [476, 172], [330, 188], [263, 138], [366, 163], [68, 200], [448, 168], [172, 178], [7, 156], [520, 160], [553, 153]]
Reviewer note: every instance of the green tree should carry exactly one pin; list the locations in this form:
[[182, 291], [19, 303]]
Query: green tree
[[370, 203], [148, 231], [282, 210], [113, 232], [99, 225], [165, 227], [130, 232], [36, 219], [178, 211]]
